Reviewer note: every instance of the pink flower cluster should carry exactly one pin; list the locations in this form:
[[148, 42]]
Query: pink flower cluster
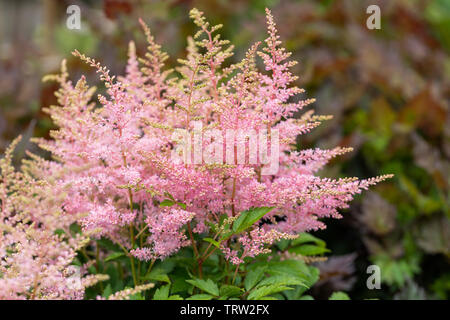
[[255, 243], [164, 227], [35, 262], [115, 157]]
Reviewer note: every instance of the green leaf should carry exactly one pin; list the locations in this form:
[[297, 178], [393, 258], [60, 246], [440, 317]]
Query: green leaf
[[214, 242], [59, 232], [115, 278], [137, 296], [162, 293], [167, 265], [169, 195], [158, 275], [166, 203], [175, 297], [247, 218], [114, 256], [282, 280], [200, 297], [230, 291], [268, 298], [295, 268], [205, 285], [75, 228], [311, 278], [295, 294], [339, 295], [264, 291], [211, 225], [252, 277], [309, 250], [283, 244], [182, 205], [179, 283], [226, 235], [108, 244], [107, 292], [305, 238], [308, 245]]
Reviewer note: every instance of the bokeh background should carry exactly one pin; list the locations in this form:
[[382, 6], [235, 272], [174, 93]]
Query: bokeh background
[[388, 90]]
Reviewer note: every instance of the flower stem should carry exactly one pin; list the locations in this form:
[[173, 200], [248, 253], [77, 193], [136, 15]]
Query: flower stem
[[150, 267], [235, 274]]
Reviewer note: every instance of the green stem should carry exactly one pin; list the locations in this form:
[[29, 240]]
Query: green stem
[[235, 274], [140, 233], [210, 253], [133, 269], [191, 236], [97, 264], [150, 267], [131, 260], [130, 199]]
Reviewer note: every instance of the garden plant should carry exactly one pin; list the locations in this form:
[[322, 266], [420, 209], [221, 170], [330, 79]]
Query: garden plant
[[128, 208]]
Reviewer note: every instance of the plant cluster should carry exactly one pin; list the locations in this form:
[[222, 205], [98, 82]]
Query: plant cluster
[[114, 202]]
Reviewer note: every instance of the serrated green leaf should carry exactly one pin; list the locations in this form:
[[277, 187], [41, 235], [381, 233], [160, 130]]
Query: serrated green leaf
[[309, 250], [214, 242], [169, 195], [137, 296], [108, 244], [200, 297], [312, 277], [252, 277], [166, 203], [339, 295], [295, 268], [283, 244], [162, 293], [208, 285], [247, 218], [226, 235], [305, 238], [107, 292], [264, 291], [158, 275], [282, 280], [182, 205], [268, 298], [114, 256], [230, 291], [179, 284]]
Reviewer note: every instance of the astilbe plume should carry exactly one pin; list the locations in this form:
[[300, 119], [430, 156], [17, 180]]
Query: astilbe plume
[[35, 260], [117, 157]]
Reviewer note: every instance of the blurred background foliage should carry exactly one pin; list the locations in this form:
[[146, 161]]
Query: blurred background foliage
[[387, 89]]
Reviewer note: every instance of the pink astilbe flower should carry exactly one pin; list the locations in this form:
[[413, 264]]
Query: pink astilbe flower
[[165, 237], [255, 243], [35, 260], [117, 156]]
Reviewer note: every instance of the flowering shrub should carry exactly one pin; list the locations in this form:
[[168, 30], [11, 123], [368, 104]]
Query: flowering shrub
[[128, 172]]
